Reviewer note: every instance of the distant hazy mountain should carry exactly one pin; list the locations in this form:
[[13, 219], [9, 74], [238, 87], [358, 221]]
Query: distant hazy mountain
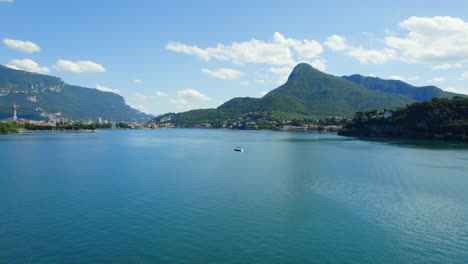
[[41, 96], [311, 93]]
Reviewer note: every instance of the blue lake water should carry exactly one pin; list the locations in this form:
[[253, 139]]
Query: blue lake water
[[184, 196]]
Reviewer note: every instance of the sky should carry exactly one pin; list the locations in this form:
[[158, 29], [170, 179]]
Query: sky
[[173, 56]]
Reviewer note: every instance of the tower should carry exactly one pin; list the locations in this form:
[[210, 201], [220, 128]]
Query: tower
[[14, 117]]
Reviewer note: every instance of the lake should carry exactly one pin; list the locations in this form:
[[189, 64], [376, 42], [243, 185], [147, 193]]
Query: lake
[[184, 196]]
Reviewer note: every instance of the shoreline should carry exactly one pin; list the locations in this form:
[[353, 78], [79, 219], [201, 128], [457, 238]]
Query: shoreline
[[56, 131]]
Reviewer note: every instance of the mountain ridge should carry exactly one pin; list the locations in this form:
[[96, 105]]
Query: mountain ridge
[[40, 96], [310, 93]]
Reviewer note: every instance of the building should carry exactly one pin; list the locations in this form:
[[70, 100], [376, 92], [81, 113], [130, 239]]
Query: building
[[14, 117]]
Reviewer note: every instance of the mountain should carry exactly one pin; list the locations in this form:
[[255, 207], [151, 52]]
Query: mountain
[[418, 94], [310, 93], [41, 96]]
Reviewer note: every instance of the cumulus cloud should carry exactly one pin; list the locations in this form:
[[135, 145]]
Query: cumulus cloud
[[178, 101], [456, 90], [375, 56], [283, 73], [464, 76], [337, 43], [187, 96], [372, 55], [79, 66], [192, 94], [224, 73], [27, 65], [306, 49], [444, 66], [281, 70], [106, 89], [432, 40], [435, 40], [436, 79], [396, 77], [319, 64], [402, 78], [22, 46], [280, 51], [160, 94], [137, 81]]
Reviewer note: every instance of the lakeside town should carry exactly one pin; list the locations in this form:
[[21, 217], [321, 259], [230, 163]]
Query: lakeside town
[[256, 121], [251, 121]]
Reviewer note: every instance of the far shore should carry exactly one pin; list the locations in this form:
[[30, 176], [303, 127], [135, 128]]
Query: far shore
[[57, 131]]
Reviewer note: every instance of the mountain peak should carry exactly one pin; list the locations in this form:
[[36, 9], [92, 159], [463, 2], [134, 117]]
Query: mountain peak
[[302, 69]]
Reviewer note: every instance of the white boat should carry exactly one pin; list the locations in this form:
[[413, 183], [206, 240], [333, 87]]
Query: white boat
[[239, 149]]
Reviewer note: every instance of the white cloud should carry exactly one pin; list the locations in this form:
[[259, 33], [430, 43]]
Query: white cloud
[[438, 40], [432, 40], [319, 64], [27, 65], [137, 81], [160, 94], [337, 43], [192, 94], [306, 49], [7, 1], [22, 46], [185, 97], [283, 73], [396, 77], [281, 70], [444, 66], [372, 55], [259, 81], [277, 52], [105, 89], [464, 76], [436, 79], [457, 90], [402, 78], [263, 93], [140, 107], [224, 73], [390, 32], [244, 83], [178, 101], [79, 66]]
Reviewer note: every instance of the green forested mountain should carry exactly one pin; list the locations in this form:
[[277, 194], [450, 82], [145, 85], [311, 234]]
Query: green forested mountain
[[419, 94], [313, 94], [439, 118], [41, 97]]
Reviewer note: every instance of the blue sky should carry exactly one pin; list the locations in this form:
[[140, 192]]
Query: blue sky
[[171, 56]]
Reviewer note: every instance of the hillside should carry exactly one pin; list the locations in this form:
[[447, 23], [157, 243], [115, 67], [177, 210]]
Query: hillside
[[418, 94], [439, 118], [41, 97], [309, 93]]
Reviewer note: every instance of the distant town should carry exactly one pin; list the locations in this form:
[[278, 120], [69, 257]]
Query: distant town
[[251, 121]]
